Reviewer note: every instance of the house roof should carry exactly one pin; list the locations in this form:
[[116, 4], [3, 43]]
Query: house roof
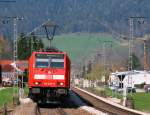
[[131, 72], [6, 67]]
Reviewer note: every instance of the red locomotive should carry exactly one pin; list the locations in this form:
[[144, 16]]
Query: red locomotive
[[49, 76]]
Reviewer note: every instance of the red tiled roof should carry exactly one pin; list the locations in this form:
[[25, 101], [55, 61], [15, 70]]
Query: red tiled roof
[[22, 64]]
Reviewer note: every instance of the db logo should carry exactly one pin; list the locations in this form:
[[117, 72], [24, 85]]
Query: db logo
[[49, 72]]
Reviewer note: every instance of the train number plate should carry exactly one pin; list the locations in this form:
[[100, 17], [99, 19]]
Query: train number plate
[[49, 84]]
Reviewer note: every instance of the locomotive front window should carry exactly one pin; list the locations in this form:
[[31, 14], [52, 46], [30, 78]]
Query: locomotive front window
[[57, 63], [41, 63], [49, 60]]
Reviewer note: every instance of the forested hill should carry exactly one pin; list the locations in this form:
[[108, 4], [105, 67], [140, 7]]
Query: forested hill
[[78, 15]]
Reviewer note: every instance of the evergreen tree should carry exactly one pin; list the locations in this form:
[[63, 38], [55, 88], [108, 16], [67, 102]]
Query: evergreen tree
[[135, 62], [40, 44], [22, 47], [29, 46], [26, 45], [89, 67], [35, 43]]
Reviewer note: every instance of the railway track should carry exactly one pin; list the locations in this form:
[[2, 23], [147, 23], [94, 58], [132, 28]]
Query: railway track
[[51, 111], [66, 107], [56, 109], [105, 105]]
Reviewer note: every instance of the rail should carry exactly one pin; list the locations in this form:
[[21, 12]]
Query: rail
[[105, 105]]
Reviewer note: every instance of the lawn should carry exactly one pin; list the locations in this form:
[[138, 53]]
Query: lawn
[[106, 92], [6, 95], [142, 101]]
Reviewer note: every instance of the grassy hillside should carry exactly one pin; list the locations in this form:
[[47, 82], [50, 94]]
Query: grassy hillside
[[80, 45]]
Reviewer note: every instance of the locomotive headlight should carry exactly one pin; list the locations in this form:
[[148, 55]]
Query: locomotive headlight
[[36, 83], [61, 83]]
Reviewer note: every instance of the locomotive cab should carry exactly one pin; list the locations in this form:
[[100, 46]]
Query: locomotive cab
[[49, 76]]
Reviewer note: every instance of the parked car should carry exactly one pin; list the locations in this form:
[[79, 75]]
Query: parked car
[[7, 82]]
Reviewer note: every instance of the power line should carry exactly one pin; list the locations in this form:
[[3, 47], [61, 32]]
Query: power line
[[47, 24], [113, 33]]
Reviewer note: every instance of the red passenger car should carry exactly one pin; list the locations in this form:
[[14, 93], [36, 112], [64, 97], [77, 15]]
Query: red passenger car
[[49, 76]]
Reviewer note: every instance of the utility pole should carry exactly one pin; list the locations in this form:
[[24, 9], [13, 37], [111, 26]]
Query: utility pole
[[104, 56], [131, 41], [15, 51], [130, 44], [15, 55], [15, 32], [130, 61], [104, 50]]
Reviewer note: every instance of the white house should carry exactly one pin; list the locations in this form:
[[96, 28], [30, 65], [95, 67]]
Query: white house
[[129, 78]]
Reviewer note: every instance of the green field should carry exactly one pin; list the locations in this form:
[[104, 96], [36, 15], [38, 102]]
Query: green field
[[6, 95], [80, 45], [142, 101]]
